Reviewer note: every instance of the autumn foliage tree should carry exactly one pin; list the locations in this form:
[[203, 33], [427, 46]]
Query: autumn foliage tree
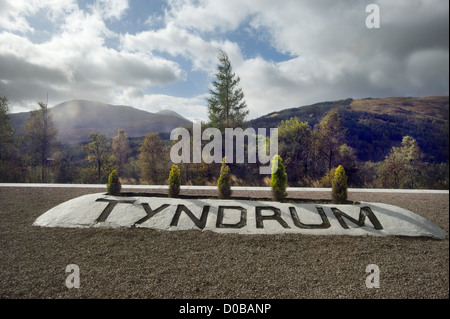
[[121, 149], [404, 167], [329, 136], [6, 129], [152, 159], [99, 155], [9, 158], [40, 138], [295, 147]]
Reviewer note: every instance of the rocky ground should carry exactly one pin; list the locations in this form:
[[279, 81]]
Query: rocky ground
[[146, 263]]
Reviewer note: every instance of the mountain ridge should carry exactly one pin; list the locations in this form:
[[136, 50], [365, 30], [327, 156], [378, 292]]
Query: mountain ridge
[[76, 119], [375, 125]]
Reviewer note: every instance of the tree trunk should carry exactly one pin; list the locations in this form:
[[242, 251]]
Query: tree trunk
[[43, 166], [99, 171], [329, 160]]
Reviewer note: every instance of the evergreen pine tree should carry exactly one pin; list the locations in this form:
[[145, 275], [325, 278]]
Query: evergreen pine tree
[[226, 105]]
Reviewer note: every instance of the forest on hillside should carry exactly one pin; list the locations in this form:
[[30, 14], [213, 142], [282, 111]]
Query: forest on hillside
[[310, 154], [374, 129], [402, 144]]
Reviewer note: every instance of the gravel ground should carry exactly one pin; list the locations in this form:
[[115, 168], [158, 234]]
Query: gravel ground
[[146, 263]]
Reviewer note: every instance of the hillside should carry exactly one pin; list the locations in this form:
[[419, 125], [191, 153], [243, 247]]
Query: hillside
[[170, 112], [375, 125], [75, 120]]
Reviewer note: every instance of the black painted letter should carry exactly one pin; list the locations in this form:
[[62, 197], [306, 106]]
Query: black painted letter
[[150, 212], [276, 216], [200, 223], [325, 222], [363, 213], [242, 222], [109, 208]]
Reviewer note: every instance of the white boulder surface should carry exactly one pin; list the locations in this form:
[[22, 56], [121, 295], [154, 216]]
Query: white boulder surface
[[238, 216]]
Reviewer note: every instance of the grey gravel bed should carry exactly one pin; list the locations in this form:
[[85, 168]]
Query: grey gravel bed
[[146, 263]]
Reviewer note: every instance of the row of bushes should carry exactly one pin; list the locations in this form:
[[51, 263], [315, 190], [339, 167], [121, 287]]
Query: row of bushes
[[278, 182]]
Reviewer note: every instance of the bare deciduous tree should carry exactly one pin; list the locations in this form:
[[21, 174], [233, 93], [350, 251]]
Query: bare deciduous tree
[[121, 149], [40, 137]]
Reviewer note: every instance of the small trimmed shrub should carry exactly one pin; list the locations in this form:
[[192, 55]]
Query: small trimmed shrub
[[224, 181], [339, 186], [113, 186], [278, 179], [174, 181]]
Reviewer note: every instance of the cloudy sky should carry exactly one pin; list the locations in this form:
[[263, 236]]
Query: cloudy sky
[[157, 55]]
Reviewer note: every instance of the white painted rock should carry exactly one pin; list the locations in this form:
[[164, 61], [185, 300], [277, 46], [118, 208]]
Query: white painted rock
[[238, 216]]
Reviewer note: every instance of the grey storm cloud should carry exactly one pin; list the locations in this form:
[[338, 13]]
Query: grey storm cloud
[[337, 56], [329, 53], [13, 68]]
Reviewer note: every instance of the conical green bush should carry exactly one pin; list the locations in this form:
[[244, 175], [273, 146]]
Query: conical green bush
[[174, 181], [113, 186], [278, 180], [339, 186], [224, 181]]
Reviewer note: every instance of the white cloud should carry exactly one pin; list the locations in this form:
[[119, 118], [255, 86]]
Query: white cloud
[[193, 108], [300, 29], [75, 63], [10, 17], [179, 42], [207, 16], [331, 54], [111, 9], [14, 14], [338, 57]]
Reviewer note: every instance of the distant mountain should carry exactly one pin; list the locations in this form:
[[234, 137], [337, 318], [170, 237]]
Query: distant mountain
[[170, 112], [75, 120], [375, 125]]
